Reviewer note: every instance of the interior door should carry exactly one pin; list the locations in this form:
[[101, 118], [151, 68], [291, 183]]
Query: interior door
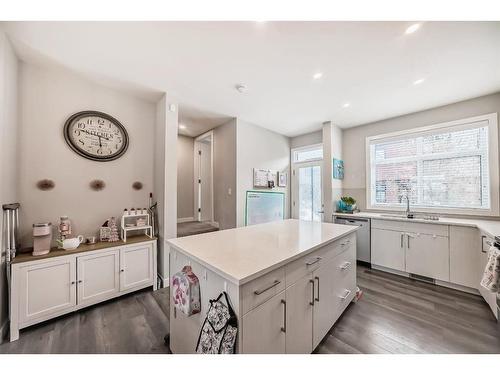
[[98, 277], [307, 188], [300, 300], [203, 176]]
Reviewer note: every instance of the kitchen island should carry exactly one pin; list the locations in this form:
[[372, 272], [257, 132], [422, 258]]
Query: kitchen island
[[287, 281]]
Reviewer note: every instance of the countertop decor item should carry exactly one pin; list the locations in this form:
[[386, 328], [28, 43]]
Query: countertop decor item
[[45, 184], [136, 220], [96, 135], [64, 227], [42, 237], [97, 185], [113, 236], [70, 243], [347, 204]]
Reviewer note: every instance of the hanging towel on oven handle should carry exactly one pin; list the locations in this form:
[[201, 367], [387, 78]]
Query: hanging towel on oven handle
[[219, 330]]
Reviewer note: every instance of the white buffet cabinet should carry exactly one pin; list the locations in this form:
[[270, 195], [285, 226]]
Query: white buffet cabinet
[[288, 283], [64, 281]]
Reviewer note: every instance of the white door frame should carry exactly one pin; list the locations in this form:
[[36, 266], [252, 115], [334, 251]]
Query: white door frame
[[295, 185], [197, 190]]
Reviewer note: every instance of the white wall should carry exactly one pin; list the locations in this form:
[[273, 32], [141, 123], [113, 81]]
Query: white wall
[[185, 177], [9, 67], [48, 97], [354, 138], [259, 148], [225, 174], [307, 139]]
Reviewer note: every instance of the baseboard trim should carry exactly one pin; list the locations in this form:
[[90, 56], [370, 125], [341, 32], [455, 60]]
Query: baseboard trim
[[445, 284], [184, 219]]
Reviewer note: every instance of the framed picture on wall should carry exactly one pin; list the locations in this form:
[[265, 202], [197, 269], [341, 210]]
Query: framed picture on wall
[[282, 179], [338, 169]]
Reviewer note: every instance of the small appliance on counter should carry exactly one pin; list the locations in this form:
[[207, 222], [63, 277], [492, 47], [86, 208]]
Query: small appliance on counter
[[42, 238]]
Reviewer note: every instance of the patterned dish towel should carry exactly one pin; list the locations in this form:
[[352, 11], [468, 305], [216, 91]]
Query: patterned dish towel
[[491, 274]]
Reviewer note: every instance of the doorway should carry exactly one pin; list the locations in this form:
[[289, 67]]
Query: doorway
[[307, 191], [203, 178]]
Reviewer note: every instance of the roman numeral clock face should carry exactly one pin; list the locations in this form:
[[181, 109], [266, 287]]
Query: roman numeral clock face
[[96, 136]]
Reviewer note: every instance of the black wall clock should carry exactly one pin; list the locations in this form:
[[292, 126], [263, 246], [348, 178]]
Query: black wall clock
[[96, 135]]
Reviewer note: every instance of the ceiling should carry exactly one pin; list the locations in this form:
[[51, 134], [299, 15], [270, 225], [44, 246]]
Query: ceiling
[[369, 65]]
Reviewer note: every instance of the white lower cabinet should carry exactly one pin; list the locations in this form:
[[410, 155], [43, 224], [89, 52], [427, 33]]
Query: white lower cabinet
[[264, 328], [297, 319], [388, 249], [428, 255], [98, 277], [136, 267], [46, 289]]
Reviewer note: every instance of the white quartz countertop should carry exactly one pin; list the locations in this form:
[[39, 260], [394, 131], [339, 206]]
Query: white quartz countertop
[[243, 254], [487, 227]]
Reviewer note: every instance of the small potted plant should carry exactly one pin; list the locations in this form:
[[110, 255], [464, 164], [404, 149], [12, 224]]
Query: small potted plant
[[347, 204]]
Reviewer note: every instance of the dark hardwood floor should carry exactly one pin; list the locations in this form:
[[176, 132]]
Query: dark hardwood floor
[[395, 315]]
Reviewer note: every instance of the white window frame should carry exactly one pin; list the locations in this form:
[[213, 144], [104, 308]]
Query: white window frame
[[305, 148], [493, 163]]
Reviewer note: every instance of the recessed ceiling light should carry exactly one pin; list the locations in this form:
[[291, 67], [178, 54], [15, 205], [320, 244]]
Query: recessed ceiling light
[[418, 81], [182, 127], [346, 105], [240, 87], [317, 75], [412, 28]]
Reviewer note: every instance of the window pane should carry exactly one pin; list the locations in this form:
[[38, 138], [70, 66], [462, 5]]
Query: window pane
[[453, 182], [308, 154], [447, 168], [305, 191]]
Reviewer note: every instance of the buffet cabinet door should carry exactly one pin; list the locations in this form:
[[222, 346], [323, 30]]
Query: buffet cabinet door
[[300, 304], [47, 289], [136, 267], [264, 328], [98, 277]]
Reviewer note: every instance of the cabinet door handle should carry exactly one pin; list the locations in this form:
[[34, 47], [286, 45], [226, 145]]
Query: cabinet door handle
[[345, 266], [259, 292], [312, 291], [408, 236], [73, 282], [348, 292], [283, 329], [122, 270], [488, 242], [317, 295], [310, 263], [80, 281], [401, 240]]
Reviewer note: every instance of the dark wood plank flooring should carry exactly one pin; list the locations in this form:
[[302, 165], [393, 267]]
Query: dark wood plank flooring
[[395, 315]]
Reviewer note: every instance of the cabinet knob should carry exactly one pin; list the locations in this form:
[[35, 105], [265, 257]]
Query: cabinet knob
[[122, 270], [80, 281], [73, 283]]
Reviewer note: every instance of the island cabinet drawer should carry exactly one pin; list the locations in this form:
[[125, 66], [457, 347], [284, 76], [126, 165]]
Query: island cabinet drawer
[[258, 291], [408, 226], [299, 268]]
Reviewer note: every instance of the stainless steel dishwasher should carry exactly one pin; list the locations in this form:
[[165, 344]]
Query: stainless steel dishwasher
[[363, 250]]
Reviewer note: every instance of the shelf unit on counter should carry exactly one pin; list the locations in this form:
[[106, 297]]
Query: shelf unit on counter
[[63, 281]]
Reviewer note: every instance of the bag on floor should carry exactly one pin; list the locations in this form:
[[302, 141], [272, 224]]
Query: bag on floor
[[218, 333], [186, 291]]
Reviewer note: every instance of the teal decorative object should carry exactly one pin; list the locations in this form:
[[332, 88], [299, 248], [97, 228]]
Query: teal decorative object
[[338, 169], [347, 204]]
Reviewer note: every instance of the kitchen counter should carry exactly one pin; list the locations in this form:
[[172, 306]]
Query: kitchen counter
[[487, 227], [243, 254], [56, 252]]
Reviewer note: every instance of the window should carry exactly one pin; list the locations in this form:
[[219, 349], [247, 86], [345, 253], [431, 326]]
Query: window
[[308, 153], [445, 167]]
